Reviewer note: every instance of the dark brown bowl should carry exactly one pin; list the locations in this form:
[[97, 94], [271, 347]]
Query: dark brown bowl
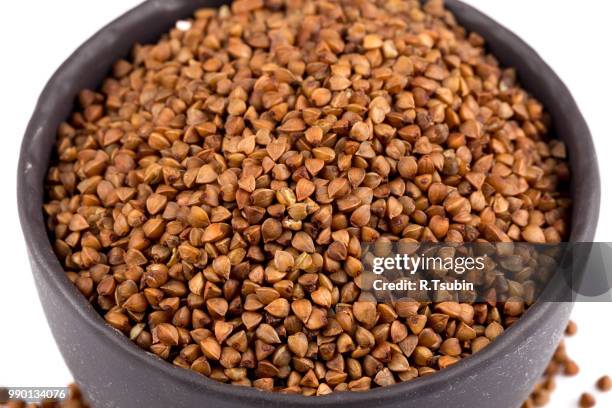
[[116, 373]]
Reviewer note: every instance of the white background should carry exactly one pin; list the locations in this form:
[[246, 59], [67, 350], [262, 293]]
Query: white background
[[36, 36]]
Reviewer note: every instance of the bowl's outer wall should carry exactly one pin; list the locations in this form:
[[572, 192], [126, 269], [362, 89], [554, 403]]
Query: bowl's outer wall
[[116, 374]]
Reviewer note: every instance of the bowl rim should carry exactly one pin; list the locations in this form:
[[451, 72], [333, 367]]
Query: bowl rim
[[42, 255]]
